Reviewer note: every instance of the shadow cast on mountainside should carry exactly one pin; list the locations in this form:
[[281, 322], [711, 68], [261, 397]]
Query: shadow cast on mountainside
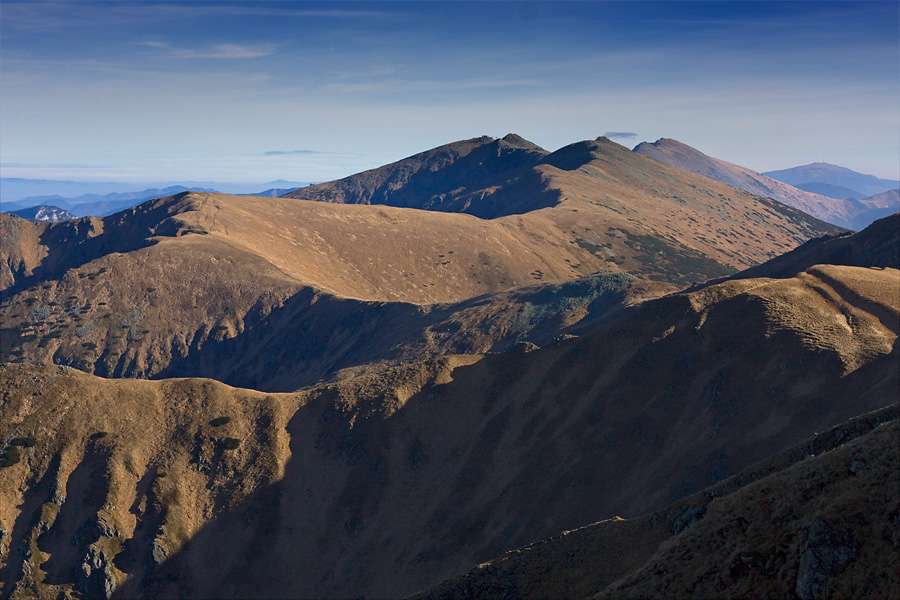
[[30, 516], [68, 539], [385, 497], [483, 177], [314, 335]]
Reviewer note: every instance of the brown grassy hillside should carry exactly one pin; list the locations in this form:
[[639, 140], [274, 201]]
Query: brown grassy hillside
[[209, 291], [636, 214], [845, 213], [219, 286], [387, 483], [878, 245]]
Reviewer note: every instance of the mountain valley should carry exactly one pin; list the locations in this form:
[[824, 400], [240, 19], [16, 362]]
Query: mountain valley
[[372, 386]]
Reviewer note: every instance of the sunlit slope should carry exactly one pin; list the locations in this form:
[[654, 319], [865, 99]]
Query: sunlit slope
[[162, 288], [633, 213], [364, 252], [387, 483], [155, 289], [651, 219], [878, 245], [682, 156]]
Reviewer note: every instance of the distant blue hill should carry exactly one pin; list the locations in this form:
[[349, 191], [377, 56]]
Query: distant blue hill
[[102, 204], [99, 205], [17, 193], [825, 173], [830, 190], [15, 189]]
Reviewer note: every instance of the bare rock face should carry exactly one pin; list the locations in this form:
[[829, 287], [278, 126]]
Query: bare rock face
[[827, 553], [158, 552], [688, 518], [95, 579]]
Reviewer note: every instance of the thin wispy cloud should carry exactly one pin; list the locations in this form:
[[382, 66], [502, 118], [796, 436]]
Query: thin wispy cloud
[[228, 51], [283, 152], [620, 134], [48, 16], [24, 165], [425, 85]]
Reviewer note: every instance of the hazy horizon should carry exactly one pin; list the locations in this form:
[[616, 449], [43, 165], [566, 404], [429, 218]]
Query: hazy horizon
[[245, 92]]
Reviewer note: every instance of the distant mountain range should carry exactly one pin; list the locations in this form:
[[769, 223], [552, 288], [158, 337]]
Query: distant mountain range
[[834, 181], [97, 201], [820, 199], [442, 360], [97, 205]]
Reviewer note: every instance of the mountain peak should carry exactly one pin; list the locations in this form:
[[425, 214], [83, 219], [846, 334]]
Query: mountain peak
[[517, 141]]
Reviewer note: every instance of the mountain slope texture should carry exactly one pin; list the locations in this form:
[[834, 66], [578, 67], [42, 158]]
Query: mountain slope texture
[[817, 520], [278, 293], [840, 211], [387, 483], [418, 369]]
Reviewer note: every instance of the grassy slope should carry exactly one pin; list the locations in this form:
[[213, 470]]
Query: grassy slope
[[386, 483], [163, 287], [672, 152]]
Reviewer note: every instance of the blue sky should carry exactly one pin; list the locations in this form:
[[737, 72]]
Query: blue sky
[[256, 91]]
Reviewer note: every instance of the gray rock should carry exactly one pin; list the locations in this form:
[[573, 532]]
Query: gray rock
[[95, 579], [525, 347], [688, 518], [826, 554], [856, 466], [104, 528], [158, 552]]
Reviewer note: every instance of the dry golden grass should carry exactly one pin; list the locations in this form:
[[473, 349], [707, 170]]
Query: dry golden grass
[[227, 286], [389, 482], [676, 154]]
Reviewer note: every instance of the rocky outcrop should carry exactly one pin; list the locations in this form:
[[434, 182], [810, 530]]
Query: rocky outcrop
[[95, 578], [826, 553]]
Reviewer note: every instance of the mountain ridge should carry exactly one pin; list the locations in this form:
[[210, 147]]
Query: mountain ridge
[[837, 211], [512, 447], [827, 173], [105, 303]]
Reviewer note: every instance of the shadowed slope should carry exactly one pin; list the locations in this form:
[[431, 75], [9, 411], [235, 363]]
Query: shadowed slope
[[397, 479], [484, 177], [742, 537]]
